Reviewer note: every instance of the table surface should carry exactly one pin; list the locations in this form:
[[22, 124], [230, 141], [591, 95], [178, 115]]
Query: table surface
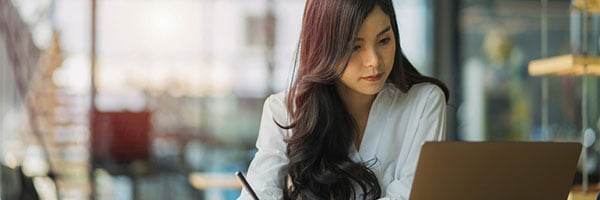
[[204, 181]]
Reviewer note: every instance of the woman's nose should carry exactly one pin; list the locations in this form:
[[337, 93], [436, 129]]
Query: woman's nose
[[371, 58]]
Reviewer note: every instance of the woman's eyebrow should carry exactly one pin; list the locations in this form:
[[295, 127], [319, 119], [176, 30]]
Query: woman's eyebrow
[[385, 30]]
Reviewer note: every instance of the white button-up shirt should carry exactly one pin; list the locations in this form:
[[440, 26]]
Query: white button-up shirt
[[398, 124]]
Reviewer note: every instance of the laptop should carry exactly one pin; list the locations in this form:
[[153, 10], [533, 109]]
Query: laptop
[[495, 170]]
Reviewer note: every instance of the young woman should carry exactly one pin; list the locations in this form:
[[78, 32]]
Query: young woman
[[352, 124]]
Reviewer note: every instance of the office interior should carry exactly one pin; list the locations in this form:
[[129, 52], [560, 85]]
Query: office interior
[[161, 99]]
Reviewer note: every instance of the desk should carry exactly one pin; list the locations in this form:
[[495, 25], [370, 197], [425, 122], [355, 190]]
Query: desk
[[202, 181]]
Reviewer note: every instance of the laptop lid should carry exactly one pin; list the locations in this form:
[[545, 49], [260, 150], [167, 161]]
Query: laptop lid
[[495, 170]]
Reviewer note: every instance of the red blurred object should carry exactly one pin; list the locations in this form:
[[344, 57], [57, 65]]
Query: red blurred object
[[120, 137]]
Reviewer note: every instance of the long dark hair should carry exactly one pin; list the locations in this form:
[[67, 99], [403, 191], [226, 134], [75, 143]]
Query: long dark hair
[[319, 166]]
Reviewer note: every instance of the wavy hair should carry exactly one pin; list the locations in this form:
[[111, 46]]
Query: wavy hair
[[319, 165]]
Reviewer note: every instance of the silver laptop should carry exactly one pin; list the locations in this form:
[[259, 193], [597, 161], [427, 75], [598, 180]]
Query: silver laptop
[[495, 170]]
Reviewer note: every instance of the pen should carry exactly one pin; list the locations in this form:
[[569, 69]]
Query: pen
[[246, 184]]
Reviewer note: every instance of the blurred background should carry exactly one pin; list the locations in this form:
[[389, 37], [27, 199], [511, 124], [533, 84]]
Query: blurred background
[[161, 99]]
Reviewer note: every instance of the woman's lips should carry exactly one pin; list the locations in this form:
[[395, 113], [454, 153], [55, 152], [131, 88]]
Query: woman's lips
[[373, 78]]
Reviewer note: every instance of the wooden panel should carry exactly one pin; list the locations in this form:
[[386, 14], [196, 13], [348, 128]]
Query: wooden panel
[[121, 136]]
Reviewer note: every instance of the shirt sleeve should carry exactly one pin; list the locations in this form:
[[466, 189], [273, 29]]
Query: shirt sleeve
[[268, 168], [431, 127]]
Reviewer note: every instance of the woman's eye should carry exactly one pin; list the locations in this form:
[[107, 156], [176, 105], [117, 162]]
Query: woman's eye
[[356, 47], [384, 41]]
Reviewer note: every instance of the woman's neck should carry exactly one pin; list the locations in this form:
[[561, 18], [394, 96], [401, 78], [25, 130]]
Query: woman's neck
[[358, 105]]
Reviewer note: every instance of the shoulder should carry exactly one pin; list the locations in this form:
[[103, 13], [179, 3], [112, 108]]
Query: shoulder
[[427, 92], [418, 92], [420, 97], [428, 98], [276, 100], [276, 105]]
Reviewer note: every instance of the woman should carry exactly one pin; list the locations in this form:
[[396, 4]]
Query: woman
[[352, 124]]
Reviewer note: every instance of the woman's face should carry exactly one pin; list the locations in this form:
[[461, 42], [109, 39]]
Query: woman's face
[[372, 57]]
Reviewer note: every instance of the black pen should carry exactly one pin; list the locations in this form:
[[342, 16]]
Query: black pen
[[246, 184]]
